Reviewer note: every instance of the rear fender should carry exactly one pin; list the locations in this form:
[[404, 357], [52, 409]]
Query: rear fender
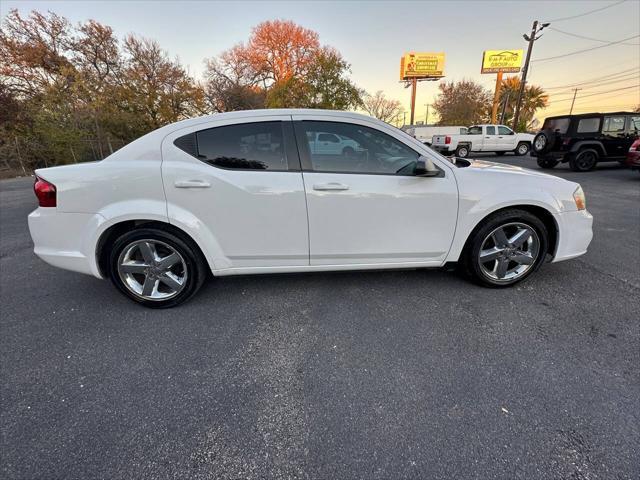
[[576, 147]]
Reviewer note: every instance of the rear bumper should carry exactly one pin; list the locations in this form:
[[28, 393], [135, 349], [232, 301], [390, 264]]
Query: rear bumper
[[444, 149], [65, 240], [559, 156], [575, 231]]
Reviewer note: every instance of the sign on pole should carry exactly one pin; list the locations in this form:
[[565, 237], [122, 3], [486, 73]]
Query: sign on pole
[[421, 65], [505, 61]]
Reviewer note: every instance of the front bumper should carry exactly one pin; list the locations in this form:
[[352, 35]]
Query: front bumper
[[66, 240], [575, 231], [633, 160]]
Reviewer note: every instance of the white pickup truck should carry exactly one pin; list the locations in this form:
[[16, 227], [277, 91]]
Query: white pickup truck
[[323, 143], [483, 138]]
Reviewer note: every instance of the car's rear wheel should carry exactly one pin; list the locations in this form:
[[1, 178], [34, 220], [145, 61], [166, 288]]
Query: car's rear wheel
[[507, 248], [547, 162], [156, 268], [584, 161], [522, 149], [348, 152], [462, 151]]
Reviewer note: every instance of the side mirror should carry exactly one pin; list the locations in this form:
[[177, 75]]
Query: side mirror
[[425, 168]]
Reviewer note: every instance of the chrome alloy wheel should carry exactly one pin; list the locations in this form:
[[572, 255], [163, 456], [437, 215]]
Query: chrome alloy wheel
[[152, 270], [523, 148], [540, 142], [509, 251]]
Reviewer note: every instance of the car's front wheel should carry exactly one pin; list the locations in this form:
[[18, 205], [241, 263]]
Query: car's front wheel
[[156, 268], [507, 248]]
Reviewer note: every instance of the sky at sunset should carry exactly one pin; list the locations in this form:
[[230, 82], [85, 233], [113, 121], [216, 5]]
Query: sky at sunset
[[373, 35]]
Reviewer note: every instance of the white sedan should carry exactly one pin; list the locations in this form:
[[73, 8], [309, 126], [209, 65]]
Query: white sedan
[[243, 193]]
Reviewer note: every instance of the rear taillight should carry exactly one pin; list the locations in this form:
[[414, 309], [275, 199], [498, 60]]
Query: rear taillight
[[447, 140], [46, 192]]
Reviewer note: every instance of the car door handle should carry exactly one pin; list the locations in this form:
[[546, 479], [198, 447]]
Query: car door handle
[[330, 186], [191, 184], [487, 137]]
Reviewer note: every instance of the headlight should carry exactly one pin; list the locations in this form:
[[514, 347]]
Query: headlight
[[578, 197]]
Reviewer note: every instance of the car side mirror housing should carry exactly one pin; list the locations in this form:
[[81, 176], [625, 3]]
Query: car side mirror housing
[[425, 168]]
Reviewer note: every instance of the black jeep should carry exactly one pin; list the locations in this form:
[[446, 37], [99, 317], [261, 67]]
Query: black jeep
[[586, 139]]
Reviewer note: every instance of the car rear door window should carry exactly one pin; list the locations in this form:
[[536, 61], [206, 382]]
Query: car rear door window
[[560, 125], [634, 125], [245, 146], [589, 125], [358, 149], [613, 125], [491, 130]]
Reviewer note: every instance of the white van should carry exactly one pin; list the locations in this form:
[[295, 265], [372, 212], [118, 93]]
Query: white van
[[424, 133]]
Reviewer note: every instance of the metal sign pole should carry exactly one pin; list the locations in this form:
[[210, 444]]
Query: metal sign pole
[[414, 83], [496, 98]]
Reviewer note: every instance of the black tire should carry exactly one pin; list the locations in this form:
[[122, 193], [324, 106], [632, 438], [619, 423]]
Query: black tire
[[584, 161], [522, 149], [470, 257], [462, 151], [348, 152], [499, 154], [547, 163], [194, 264]]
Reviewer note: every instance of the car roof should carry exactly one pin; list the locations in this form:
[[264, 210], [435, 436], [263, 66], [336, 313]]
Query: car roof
[[578, 115], [268, 112]]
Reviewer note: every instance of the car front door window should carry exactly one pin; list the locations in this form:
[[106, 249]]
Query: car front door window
[[355, 149]]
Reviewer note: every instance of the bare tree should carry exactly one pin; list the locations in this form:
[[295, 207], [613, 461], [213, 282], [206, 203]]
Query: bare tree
[[380, 107]]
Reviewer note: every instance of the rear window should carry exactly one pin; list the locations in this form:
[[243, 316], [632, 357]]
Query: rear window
[[589, 125], [560, 125]]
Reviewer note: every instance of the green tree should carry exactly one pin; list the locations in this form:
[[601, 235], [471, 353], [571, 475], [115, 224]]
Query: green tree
[[533, 99], [325, 85], [462, 103]]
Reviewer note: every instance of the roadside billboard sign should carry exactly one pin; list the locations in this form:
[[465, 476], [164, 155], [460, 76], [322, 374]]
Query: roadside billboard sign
[[421, 65], [505, 61]]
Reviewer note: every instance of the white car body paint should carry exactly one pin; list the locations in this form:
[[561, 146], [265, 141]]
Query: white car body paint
[[268, 221]]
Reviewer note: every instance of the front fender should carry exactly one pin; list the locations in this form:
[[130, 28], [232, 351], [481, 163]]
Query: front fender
[[474, 209]]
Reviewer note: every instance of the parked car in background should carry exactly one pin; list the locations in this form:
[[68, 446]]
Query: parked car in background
[[633, 156], [425, 133], [247, 192], [586, 139], [325, 143], [483, 138]]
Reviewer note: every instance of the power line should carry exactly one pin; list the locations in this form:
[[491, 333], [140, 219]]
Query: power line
[[586, 38], [584, 50], [586, 13], [601, 84], [621, 73], [597, 93]]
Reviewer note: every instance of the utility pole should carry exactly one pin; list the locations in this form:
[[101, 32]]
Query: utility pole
[[504, 107], [426, 116], [531, 38], [575, 92], [414, 84]]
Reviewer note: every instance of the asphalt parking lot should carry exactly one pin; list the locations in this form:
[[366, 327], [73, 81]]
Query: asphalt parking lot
[[372, 375]]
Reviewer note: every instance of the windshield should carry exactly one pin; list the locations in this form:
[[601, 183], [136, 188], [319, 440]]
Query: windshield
[[560, 125]]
